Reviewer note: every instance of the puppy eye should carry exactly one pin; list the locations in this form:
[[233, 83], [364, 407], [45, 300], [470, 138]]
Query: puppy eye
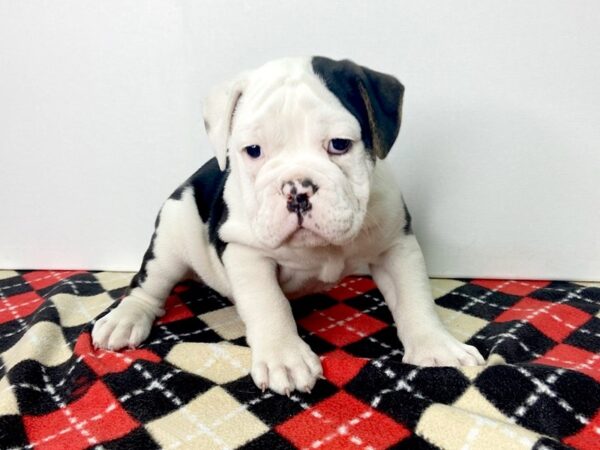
[[339, 146], [253, 151]]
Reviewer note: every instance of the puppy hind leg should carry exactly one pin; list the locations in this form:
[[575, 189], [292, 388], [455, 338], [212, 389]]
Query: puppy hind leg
[[131, 321]]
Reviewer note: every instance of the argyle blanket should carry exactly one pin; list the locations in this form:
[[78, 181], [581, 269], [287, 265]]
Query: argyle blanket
[[188, 385]]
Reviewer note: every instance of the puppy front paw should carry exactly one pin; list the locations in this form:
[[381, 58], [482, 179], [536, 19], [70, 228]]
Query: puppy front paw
[[440, 349], [125, 326], [285, 365]]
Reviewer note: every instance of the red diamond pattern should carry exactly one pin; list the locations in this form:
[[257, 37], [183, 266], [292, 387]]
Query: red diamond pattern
[[513, 287], [554, 320], [175, 310], [95, 417], [339, 367], [351, 287], [42, 278], [589, 437], [342, 422], [341, 324], [19, 306], [105, 361], [570, 357]]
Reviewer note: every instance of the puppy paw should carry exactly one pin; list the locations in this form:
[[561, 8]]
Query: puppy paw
[[125, 326], [285, 365], [440, 349]]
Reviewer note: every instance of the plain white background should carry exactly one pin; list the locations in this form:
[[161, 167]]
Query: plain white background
[[498, 157]]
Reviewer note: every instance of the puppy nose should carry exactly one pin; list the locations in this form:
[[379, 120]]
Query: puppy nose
[[298, 193], [298, 203]]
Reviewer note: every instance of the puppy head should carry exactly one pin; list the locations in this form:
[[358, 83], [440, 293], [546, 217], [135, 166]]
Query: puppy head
[[302, 136]]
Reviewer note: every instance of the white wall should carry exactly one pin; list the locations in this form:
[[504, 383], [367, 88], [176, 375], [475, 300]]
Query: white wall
[[499, 153]]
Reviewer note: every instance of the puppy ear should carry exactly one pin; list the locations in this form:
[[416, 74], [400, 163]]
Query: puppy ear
[[218, 111], [374, 98]]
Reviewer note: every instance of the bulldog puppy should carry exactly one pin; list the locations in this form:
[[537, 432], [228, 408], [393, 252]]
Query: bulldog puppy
[[297, 198]]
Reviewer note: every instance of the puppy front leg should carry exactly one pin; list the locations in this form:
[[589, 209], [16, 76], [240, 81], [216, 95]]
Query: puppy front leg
[[401, 276], [281, 360], [130, 322]]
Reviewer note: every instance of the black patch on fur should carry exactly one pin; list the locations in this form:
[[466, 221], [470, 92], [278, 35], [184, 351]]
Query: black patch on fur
[[307, 182], [176, 195], [142, 274], [374, 98], [408, 225], [208, 184]]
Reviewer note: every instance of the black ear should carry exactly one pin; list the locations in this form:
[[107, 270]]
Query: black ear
[[374, 98]]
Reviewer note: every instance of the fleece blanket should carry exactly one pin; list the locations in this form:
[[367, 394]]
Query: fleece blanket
[[188, 385]]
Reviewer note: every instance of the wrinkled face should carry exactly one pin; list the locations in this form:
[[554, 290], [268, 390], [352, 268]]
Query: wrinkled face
[[301, 139], [300, 159]]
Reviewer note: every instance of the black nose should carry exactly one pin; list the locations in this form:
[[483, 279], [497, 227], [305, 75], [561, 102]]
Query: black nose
[[298, 203]]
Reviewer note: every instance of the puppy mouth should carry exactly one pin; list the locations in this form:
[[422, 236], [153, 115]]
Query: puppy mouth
[[304, 237], [308, 233], [299, 228]]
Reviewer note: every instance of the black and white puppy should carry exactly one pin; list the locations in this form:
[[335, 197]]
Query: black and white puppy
[[297, 197]]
